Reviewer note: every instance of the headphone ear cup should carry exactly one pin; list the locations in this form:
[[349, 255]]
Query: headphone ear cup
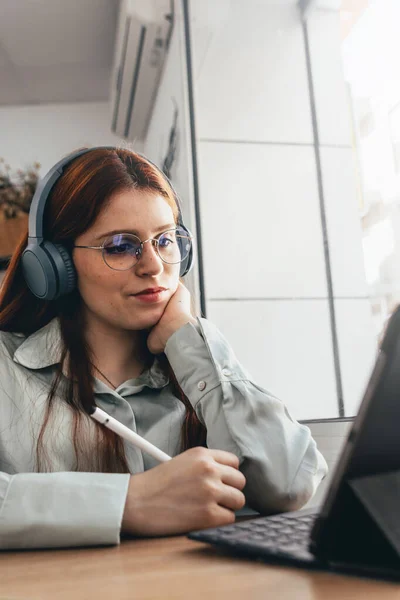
[[66, 272], [187, 263], [39, 273], [48, 270]]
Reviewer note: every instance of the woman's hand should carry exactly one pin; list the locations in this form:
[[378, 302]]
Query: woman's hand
[[197, 489], [176, 314]]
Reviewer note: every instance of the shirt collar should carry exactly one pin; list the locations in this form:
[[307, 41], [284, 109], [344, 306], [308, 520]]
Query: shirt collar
[[154, 377], [44, 348]]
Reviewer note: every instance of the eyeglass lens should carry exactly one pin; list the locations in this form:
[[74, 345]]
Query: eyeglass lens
[[122, 251]]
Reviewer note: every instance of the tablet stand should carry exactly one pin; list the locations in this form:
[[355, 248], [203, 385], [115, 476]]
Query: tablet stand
[[369, 531], [380, 496]]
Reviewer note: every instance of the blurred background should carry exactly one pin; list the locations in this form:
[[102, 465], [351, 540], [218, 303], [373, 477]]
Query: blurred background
[[278, 122]]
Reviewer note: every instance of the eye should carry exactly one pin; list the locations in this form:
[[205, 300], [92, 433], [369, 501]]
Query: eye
[[118, 248], [121, 245], [166, 239]]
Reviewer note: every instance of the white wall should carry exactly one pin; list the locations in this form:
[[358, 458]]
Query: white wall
[[45, 133], [259, 201]]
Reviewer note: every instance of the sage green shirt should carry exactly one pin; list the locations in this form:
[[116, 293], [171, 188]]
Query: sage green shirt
[[68, 508]]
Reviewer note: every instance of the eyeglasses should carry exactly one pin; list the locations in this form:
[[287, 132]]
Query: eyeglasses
[[123, 250]]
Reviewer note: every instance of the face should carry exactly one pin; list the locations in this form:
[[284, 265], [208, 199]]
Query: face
[[111, 296]]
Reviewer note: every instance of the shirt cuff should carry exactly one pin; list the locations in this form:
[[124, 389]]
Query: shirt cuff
[[202, 359], [49, 510], [192, 363]]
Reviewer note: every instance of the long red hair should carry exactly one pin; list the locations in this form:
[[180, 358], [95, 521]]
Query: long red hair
[[79, 195]]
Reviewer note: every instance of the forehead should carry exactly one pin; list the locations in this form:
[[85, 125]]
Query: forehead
[[143, 211]]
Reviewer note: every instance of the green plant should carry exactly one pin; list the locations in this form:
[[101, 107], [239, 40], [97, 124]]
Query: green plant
[[16, 191]]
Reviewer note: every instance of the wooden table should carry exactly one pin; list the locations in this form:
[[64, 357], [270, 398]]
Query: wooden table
[[169, 568]]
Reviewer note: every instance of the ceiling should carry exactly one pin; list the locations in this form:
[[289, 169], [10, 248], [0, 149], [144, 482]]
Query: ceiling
[[56, 50]]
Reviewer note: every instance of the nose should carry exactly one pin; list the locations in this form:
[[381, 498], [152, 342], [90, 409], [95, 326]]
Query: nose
[[150, 263]]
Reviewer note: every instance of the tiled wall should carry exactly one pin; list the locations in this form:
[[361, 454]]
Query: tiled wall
[[263, 236], [330, 438]]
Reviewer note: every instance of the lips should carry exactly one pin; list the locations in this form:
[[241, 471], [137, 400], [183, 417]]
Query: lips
[[147, 291], [151, 295]]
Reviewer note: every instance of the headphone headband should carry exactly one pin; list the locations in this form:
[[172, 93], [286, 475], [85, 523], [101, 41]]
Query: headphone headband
[[42, 192]]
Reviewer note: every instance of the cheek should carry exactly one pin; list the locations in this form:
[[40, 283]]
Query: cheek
[[94, 275]]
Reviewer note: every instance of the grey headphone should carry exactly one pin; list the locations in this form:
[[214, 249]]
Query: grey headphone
[[48, 268]]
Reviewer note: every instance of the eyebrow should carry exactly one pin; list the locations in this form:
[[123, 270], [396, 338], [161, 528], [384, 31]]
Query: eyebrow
[[134, 231]]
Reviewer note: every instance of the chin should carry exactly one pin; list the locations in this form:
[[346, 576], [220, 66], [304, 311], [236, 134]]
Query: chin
[[145, 321]]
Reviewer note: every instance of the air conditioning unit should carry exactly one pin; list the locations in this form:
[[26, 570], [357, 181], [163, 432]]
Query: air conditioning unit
[[143, 35]]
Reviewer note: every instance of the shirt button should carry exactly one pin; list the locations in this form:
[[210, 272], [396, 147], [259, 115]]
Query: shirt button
[[226, 372], [201, 385]]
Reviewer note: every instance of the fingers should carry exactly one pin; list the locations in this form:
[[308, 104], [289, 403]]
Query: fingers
[[182, 286], [225, 458], [227, 465], [232, 477], [219, 472], [233, 481], [182, 295], [231, 498], [221, 516]]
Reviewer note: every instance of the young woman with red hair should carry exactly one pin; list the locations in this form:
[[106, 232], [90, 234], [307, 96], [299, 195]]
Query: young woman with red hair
[[125, 340]]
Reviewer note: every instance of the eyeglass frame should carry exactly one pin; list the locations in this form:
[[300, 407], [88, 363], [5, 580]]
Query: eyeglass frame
[[102, 247]]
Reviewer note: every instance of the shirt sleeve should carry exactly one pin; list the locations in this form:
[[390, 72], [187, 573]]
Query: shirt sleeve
[[278, 456], [50, 510]]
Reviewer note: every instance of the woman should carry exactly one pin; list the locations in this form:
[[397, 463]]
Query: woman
[[124, 339]]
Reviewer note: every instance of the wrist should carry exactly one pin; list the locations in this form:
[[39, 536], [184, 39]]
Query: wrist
[[131, 519]]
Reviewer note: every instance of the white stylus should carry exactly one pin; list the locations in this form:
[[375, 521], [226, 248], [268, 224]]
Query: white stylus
[[126, 433]]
